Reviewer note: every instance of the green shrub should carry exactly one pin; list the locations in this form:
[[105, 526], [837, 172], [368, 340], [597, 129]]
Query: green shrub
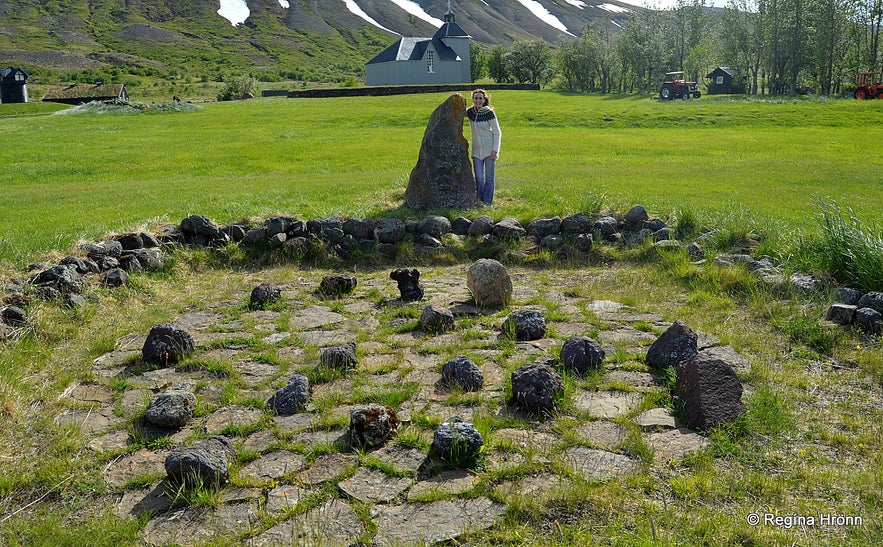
[[237, 88], [850, 252]]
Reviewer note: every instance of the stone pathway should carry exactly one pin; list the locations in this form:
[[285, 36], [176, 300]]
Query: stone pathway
[[297, 481]]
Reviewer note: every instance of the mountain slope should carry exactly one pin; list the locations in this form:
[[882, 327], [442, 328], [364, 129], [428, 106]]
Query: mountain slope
[[314, 37]]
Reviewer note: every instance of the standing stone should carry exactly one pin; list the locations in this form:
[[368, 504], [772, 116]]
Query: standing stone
[[408, 282], [372, 425], [166, 344], [581, 354], [489, 283], [203, 464], [676, 344], [711, 391], [442, 178]]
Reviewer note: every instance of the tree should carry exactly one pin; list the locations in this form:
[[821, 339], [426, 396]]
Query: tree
[[477, 61], [530, 62], [496, 65]]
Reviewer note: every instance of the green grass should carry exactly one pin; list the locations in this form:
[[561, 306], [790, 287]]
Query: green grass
[[352, 156]]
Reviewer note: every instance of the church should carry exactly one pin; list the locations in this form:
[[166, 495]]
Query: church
[[442, 59]]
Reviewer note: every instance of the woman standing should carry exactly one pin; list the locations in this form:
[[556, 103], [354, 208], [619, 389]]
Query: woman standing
[[486, 135]]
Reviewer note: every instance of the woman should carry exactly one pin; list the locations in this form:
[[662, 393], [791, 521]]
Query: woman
[[485, 143]]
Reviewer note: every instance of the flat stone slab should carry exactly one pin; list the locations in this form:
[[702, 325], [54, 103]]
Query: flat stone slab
[[313, 438], [324, 338], [254, 373], [527, 438], [259, 441], [150, 500], [276, 337], [656, 419], [674, 444], [403, 459], [540, 487], [232, 416], [373, 486], [198, 320], [201, 524], [116, 358], [334, 523], [641, 381], [501, 460], [599, 465], [602, 434], [313, 318], [295, 422], [139, 464], [433, 522], [327, 467], [625, 335], [629, 316], [110, 442], [274, 465], [605, 306], [131, 342], [449, 482], [90, 421], [285, 497], [606, 404]]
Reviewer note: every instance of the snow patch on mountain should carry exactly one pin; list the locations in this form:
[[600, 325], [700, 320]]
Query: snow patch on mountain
[[235, 11], [541, 13]]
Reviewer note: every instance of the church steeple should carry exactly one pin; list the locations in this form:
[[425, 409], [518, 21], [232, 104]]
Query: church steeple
[[449, 15]]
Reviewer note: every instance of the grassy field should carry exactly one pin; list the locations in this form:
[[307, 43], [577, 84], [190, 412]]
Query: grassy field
[[810, 443], [72, 176]]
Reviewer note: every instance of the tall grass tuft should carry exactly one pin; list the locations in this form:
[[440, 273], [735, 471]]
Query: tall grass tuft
[[851, 252]]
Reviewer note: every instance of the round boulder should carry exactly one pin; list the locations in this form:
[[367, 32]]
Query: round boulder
[[292, 398], [372, 425], [203, 464], [166, 344], [581, 354], [172, 408], [489, 282], [264, 294], [340, 357], [436, 319], [457, 442], [525, 325], [463, 373], [535, 386]]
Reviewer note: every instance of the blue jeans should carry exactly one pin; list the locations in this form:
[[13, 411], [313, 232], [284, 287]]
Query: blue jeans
[[484, 179]]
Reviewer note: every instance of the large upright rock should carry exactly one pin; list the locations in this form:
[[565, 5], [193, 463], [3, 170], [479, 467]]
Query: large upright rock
[[442, 178]]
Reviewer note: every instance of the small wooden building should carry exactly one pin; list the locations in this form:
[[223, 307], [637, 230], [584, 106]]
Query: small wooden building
[[441, 59], [725, 80], [13, 85], [81, 94]]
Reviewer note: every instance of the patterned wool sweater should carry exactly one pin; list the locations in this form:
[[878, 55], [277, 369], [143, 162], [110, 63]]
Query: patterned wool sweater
[[485, 131]]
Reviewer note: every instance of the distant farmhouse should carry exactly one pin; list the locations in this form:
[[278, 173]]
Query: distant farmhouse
[[725, 80], [13, 85], [442, 59], [80, 94]]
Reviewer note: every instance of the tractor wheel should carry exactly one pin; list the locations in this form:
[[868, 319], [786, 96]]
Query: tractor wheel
[[666, 93], [696, 94], [686, 96], [861, 94]]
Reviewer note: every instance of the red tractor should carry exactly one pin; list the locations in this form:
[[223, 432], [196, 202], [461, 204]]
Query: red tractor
[[865, 88], [675, 87]]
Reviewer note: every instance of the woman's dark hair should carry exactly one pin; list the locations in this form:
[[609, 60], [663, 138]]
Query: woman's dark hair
[[487, 98]]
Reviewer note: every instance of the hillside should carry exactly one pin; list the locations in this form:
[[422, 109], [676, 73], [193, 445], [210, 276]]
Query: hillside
[[307, 40]]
